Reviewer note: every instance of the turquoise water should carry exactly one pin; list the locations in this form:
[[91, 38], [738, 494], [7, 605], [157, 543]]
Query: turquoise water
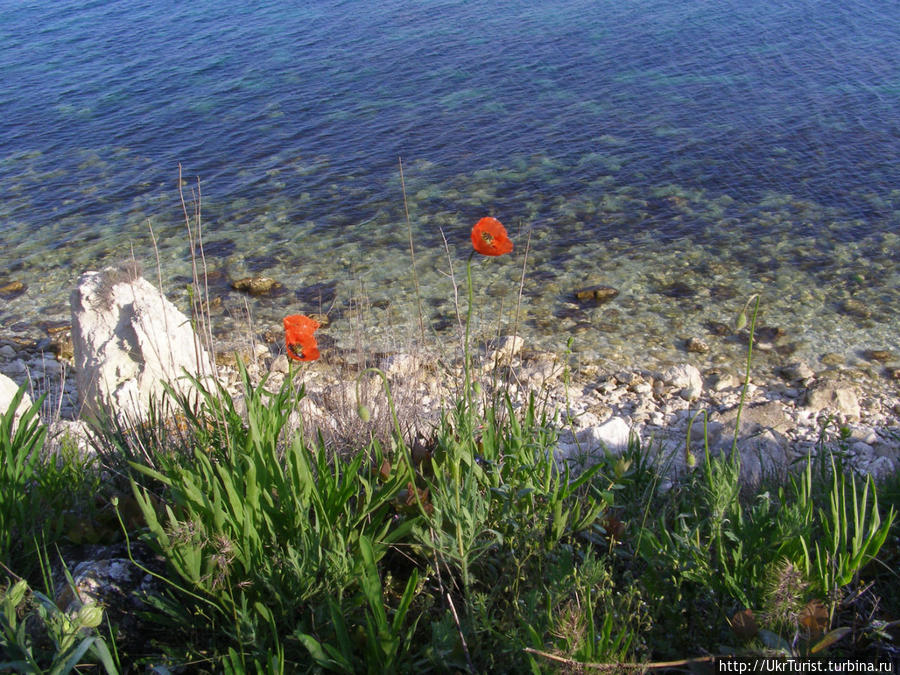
[[688, 154]]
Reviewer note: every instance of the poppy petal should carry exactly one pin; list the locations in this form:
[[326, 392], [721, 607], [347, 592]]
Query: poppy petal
[[489, 237], [302, 348]]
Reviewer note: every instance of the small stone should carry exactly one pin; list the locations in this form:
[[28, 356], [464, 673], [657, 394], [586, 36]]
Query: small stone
[[678, 289], [880, 355], [683, 376], [256, 285], [598, 295], [723, 381], [659, 389], [505, 348], [719, 328], [833, 395], [12, 290], [613, 435], [892, 373], [7, 352], [280, 364], [696, 346], [61, 345], [796, 372], [856, 308], [832, 359], [642, 387], [691, 393]]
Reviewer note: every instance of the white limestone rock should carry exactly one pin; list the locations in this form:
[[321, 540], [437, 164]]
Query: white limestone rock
[[834, 395], [8, 389], [592, 442], [504, 349], [128, 338], [687, 379]]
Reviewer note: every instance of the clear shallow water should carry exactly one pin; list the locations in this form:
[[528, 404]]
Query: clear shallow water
[[687, 154]]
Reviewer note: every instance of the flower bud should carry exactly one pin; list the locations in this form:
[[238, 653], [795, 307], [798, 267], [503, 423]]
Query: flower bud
[[364, 413], [90, 615]]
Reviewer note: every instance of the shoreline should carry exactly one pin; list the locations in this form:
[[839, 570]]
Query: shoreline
[[782, 418]]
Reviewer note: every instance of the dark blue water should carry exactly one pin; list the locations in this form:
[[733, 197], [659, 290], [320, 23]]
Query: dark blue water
[[585, 120]]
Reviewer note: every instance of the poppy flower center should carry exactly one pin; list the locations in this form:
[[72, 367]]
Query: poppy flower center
[[488, 238]]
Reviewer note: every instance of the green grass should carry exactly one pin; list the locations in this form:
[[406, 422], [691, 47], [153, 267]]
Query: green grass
[[284, 555]]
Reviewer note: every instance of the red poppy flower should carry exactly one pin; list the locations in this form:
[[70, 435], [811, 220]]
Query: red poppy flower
[[298, 337], [489, 237]]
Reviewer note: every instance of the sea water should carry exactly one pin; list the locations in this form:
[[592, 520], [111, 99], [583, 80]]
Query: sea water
[[689, 155]]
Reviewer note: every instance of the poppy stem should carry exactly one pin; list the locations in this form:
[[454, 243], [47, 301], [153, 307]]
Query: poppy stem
[[471, 300]]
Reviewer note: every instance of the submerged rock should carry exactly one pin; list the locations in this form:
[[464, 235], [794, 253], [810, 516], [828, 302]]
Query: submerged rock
[[597, 295], [880, 355], [857, 308], [678, 289], [695, 345], [12, 290], [256, 285]]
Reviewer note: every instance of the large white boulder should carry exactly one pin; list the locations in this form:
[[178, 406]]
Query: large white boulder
[[128, 338]]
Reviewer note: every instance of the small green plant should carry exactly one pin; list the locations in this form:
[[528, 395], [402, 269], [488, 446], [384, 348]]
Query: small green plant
[[70, 638], [852, 533]]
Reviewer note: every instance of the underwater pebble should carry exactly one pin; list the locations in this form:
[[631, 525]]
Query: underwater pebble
[[856, 308], [832, 359], [14, 368], [256, 285], [696, 346], [12, 290], [597, 295]]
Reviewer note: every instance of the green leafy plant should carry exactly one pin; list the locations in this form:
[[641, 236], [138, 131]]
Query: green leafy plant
[[259, 524], [385, 642], [853, 532], [21, 443], [71, 637]]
